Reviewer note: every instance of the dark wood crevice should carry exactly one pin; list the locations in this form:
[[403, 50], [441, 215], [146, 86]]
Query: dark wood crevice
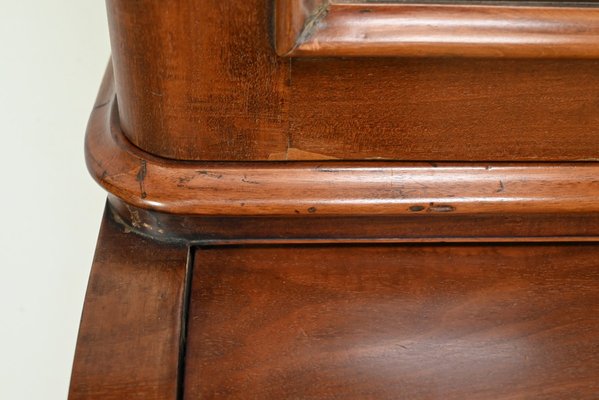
[[189, 269]]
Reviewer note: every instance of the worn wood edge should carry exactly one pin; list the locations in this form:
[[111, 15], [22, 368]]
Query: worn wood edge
[[213, 230], [294, 19], [148, 360], [358, 29], [327, 188]]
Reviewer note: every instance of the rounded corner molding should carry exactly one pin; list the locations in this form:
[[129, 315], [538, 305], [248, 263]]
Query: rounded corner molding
[[327, 188], [346, 28]]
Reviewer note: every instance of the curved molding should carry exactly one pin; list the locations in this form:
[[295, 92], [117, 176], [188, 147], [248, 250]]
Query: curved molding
[[216, 230], [327, 188], [308, 28]]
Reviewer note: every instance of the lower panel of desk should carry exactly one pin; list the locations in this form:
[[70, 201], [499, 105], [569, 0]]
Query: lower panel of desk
[[494, 321], [338, 321]]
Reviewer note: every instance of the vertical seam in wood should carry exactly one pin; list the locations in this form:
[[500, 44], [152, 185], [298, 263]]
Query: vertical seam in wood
[[184, 322]]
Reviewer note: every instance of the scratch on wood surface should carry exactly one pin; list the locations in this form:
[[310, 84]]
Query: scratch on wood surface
[[297, 154], [249, 181], [135, 219], [310, 25], [501, 187], [210, 174], [103, 104], [312, 22], [432, 207]]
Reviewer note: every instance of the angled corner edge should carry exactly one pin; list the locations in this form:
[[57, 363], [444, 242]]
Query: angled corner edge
[[295, 22]]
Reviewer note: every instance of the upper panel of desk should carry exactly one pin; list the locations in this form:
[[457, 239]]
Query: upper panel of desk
[[202, 80]]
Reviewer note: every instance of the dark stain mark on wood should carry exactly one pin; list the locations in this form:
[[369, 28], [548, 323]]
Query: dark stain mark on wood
[[245, 180], [183, 180], [416, 208], [312, 210], [442, 208], [501, 187], [210, 174], [141, 176]]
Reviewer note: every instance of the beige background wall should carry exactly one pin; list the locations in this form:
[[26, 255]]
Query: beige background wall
[[52, 56]]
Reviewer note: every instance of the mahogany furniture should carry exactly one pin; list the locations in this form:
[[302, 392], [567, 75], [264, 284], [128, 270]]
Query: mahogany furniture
[[313, 199]]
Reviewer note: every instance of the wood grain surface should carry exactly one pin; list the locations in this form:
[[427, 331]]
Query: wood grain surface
[[339, 28], [297, 181], [328, 187], [427, 227], [130, 333], [391, 322], [200, 80]]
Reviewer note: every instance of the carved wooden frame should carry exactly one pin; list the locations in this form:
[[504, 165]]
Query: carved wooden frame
[[308, 28]]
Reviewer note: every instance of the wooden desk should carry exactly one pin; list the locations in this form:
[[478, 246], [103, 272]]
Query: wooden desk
[[328, 321], [338, 200]]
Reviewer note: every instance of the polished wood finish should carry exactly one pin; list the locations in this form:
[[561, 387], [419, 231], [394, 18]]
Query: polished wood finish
[[200, 80], [278, 227], [346, 28], [328, 188], [339, 321], [421, 227], [446, 109], [130, 335], [295, 20], [394, 322]]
